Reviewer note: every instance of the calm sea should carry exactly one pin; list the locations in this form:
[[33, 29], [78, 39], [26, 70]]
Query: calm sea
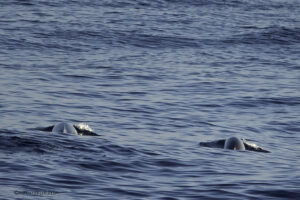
[[153, 78]]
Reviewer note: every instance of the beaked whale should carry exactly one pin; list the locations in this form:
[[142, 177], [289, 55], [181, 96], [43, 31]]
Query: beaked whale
[[233, 143], [63, 127]]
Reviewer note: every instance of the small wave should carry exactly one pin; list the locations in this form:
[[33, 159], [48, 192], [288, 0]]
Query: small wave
[[204, 2], [270, 35], [280, 193], [107, 165], [170, 163], [14, 144], [155, 41], [288, 101], [24, 3], [78, 77], [129, 192], [119, 150]]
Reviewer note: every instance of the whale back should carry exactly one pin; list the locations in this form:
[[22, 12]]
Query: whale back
[[64, 128], [234, 143]]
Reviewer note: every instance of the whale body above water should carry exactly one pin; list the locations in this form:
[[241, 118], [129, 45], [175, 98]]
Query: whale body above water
[[68, 128], [233, 143], [64, 128]]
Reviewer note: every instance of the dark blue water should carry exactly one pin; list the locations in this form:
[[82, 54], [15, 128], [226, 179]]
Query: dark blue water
[[153, 78]]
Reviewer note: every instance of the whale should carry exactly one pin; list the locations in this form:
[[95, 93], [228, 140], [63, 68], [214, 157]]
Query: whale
[[68, 128], [234, 143]]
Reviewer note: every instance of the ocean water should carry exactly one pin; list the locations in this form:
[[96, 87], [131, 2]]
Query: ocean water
[[153, 79]]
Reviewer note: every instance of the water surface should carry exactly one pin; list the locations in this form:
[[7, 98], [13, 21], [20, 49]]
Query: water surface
[[153, 78]]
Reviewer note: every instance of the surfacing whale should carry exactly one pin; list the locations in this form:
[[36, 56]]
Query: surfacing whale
[[233, 143], [63, 127]]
